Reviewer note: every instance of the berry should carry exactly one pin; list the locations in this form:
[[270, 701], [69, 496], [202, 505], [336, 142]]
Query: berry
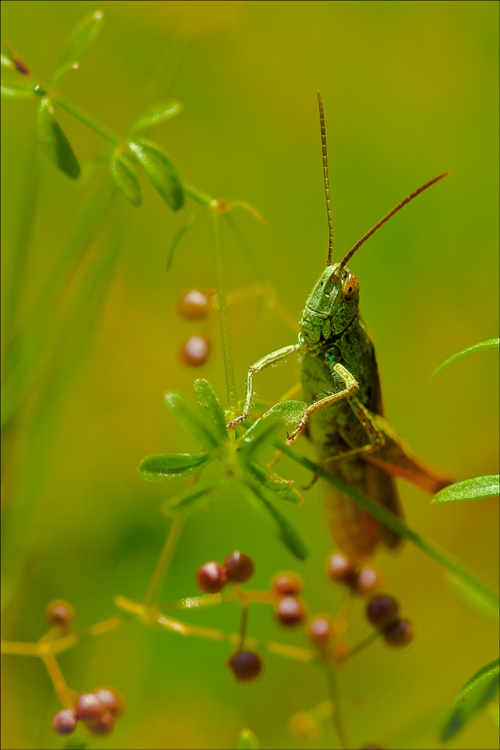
[[60, 614], [195, 351], [195, 304], [287, 583], [246, 665], [211, 578], [340, 569], [104, 725], [239, 567], [382, 610], [321, 628], [89, 707], [398, 633], [290, 611], [112, 699], [64, 722], [367, 581]]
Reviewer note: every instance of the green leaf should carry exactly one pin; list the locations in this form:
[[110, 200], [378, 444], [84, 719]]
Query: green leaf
[[160, 170], [264, 435], [193, 498], [474, 695], [286, 411], [469, 489], [247, 740], [189, 222], [495, 714], [210, 406], [488, 344], [164, 467], [18, 90], [156, 114], [474, 598], [192, 421], [77, 43], [286, 532], [53, 142], [126, 178], [7, 62], [282, 489]]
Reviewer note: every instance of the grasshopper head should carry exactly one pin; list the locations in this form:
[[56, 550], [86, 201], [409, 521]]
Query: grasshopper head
[[331, 306]]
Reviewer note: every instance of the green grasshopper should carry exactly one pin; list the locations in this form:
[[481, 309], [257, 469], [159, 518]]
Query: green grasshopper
[[344, 416]]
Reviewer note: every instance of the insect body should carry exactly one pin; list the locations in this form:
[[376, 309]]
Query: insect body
[[344, 413]]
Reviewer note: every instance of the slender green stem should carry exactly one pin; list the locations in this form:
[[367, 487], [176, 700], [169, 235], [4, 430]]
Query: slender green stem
[[243, 626], [381, 514], [335, 708], [88, 120], [232, 399], [198, 195], [164, 560]]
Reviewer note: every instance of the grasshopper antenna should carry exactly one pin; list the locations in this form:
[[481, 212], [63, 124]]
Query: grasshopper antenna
[[327, 182], [386, 218]]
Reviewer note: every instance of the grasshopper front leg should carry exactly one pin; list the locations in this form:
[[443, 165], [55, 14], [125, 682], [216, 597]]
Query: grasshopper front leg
[[267, 361]]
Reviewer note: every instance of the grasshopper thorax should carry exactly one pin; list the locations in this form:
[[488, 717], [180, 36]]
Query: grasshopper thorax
[[330, 308]]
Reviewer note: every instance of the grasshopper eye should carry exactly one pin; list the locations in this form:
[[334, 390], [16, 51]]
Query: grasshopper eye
[[350, 288]]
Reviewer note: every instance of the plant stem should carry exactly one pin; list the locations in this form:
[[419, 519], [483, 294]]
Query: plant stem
[[334, 699], [232, 400], [441, 556], [88, 120], [164, 560]]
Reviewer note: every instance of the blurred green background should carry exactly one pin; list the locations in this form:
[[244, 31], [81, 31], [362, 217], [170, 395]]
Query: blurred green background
[[410, 89]]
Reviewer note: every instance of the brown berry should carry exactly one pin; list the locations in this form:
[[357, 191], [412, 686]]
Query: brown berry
[[239, 567], [60, 614], [102, 726], [368, 580], [112, 699], [211, 578], [64, 722], [398, 633], [89, 707], [321, 628], [195, 351], [194, 305], [290, 612], [246, 665], [340, 569], [382, 610], [287, 583]]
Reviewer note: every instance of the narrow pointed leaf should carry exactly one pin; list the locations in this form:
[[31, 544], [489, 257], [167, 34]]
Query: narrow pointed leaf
[[193, 498], [18, 90], [160, 170], [469, 489], [210, 406], [262, 438], [281, 489], [474, 695], [126, 178], [247, 740], [192, 421], [188, 223], [156, 114], [474, 598], [77, 43], [488, 344], [164, 467], [53, 142], [286, 531], [286, 411]]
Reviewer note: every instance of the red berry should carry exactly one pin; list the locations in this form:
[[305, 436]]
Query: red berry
[[287, 583], [382, 610], [246, 665], [290, 611], [195, 351], [321, 628], [340, 569], [211, 578], [195, 304], [104, 725], [239, 567], [112, 699], [367, 581], [60, 614], [398, 633], [89, 707], [64, 722]]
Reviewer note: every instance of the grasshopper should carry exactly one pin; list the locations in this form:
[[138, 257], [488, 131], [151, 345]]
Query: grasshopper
[[344, 415]]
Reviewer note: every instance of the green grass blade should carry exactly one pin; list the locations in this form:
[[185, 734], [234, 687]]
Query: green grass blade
[[469, 489], [488, 344], [474, 695]]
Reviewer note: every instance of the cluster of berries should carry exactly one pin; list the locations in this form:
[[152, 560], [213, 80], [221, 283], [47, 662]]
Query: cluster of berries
[[236, 568], [195, 305], [98, 711]]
